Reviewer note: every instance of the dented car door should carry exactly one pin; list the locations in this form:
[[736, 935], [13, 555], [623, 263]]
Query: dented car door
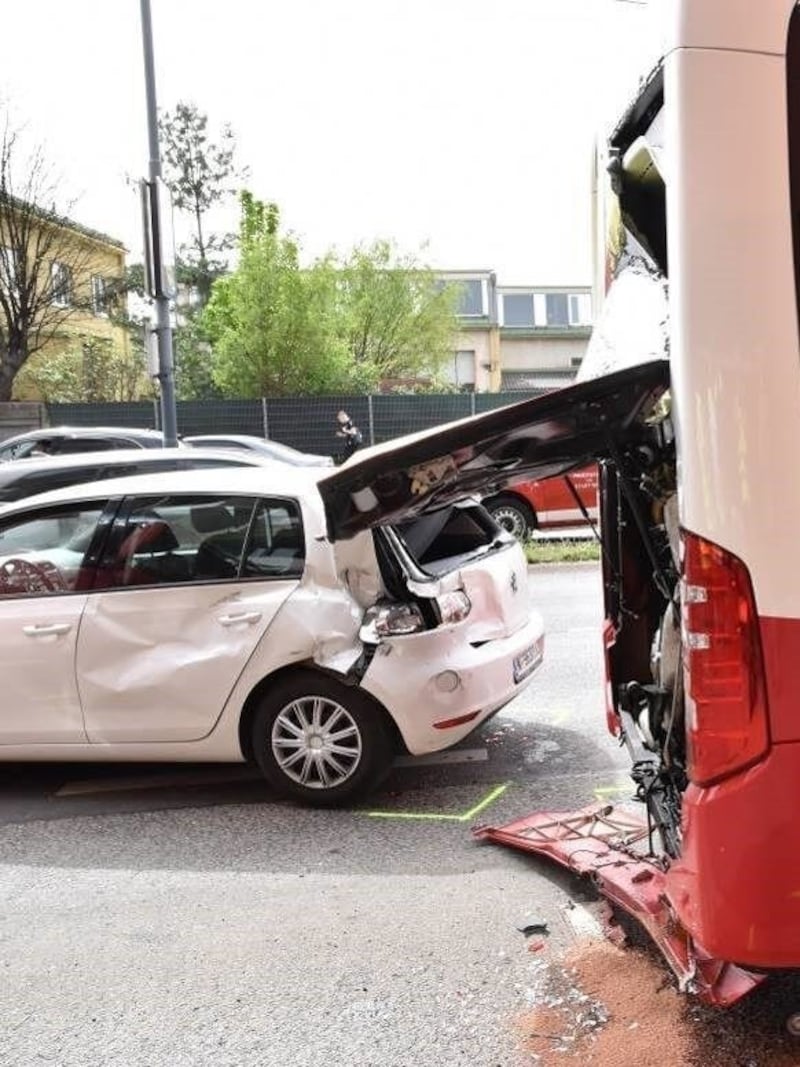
[[190, 587]]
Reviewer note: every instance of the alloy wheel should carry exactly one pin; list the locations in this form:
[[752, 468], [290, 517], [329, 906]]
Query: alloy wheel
[[316, 742]]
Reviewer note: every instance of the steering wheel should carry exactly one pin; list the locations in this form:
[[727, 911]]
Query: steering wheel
[[24, 576]]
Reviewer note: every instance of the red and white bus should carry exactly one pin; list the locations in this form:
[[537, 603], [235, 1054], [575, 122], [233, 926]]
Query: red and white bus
[[691, 406]]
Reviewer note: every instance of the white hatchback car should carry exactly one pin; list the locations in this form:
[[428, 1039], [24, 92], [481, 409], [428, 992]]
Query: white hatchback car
[[214, 615]]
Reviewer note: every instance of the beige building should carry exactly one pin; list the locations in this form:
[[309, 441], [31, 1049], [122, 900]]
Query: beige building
[[73, 276], [518, 337]]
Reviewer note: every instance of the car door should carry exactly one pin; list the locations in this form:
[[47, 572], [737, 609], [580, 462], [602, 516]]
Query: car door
[[45, 569], [190, 585]]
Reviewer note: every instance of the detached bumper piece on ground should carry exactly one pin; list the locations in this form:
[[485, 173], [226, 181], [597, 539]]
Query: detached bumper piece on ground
[[604, 842]]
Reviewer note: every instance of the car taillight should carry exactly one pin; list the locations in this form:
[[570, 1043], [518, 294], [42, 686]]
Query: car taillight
[[453, 607], [726, 700]]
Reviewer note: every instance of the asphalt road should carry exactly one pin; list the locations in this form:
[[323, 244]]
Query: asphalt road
[[181, 915]]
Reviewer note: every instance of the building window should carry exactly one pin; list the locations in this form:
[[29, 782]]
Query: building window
[[472, 298], [518, 309], [99, 296], [580, 309], [557, 309], [465, 369], [61, 284]]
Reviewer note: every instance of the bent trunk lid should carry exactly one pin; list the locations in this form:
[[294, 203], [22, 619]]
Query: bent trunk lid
[[536, 439]]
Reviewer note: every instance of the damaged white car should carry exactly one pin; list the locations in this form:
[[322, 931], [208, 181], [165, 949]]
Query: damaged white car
[[222, 615]]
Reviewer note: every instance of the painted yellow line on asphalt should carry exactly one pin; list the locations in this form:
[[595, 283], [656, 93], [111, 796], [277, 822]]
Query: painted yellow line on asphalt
[[465, 816]]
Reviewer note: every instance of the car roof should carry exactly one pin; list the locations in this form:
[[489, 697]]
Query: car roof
[[19, 468], [81, 431], [247, 437], [263, 444], [259, 479]]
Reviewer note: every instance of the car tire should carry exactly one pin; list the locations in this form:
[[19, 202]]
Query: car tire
[[296, 727], [513, 515]]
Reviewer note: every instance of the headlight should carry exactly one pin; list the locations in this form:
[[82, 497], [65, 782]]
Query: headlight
[[391, 620], [453, 607]]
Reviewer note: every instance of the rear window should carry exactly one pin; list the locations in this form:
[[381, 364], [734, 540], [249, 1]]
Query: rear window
[[443, 540]]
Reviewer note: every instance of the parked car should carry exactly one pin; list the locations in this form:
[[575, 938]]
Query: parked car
[[528, 506], [42, 475], [60, 440], [206, 615], [272, 449]]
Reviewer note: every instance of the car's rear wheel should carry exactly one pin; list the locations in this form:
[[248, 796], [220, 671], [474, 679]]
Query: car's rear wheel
[[320, 741], [513, 515]]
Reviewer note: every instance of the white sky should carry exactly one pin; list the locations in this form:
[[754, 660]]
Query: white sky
[[466, 125]]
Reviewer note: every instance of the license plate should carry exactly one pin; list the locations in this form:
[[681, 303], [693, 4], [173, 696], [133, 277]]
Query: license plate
[[527, 662]]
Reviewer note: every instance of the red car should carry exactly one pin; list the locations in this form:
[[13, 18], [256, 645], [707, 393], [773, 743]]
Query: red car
[[526, 506]]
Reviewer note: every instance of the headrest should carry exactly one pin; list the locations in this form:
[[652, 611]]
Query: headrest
[[152, 535], [288, 537], [211, 518]]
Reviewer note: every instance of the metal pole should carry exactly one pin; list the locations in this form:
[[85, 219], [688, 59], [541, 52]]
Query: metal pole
[[169, 418]]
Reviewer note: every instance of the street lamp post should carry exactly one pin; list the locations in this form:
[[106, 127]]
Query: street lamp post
[[154, 248]]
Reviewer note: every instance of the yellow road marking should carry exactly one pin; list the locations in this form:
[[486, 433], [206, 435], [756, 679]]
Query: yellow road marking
[[442, 816]]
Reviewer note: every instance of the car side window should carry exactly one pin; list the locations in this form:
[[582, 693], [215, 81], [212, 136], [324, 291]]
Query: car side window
[[172, 539], [71, 445], [175, 539], [276, 546], [44, 553], [16, 451]]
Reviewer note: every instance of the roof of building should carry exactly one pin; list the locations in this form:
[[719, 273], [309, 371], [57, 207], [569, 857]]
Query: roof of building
[[64, 221]]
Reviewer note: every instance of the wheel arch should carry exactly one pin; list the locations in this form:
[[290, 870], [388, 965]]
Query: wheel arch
[[254, 697], [518, 498]]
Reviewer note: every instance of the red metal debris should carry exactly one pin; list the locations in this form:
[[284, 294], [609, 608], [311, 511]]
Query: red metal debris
[[601, 841]]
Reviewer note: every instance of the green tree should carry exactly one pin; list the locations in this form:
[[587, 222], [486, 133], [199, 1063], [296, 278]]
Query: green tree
[[92, 371], [273, 325], [201, 173], [194, 378], [399, 320], [277, 328]]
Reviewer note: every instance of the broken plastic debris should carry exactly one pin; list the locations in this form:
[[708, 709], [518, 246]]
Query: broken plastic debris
[[533, 926]]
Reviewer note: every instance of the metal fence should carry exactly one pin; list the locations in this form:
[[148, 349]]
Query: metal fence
[[304, 422]]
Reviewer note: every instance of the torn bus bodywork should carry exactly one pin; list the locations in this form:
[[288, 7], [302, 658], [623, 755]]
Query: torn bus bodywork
[[608, 845]]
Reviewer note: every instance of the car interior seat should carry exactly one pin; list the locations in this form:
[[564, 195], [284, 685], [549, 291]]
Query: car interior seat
[[218, 554], [148, 556]]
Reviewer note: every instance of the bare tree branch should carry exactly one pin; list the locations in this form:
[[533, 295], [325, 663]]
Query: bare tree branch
[[45, 259]]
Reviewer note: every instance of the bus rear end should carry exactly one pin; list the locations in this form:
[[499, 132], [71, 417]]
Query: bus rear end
[[700, 528]]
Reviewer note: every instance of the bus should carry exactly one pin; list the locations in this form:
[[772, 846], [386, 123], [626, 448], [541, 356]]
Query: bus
[[689, 400]]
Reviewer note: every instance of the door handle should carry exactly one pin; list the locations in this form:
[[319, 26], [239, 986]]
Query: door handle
[[52, 629], [244, 618]]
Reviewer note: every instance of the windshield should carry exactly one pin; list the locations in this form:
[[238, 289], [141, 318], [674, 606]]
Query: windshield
[[631, 262]]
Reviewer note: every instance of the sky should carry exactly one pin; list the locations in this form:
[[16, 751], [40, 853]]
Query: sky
[[462, 129]]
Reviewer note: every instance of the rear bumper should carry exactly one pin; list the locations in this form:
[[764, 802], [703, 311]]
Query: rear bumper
[[405, 676], [736, 887]]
